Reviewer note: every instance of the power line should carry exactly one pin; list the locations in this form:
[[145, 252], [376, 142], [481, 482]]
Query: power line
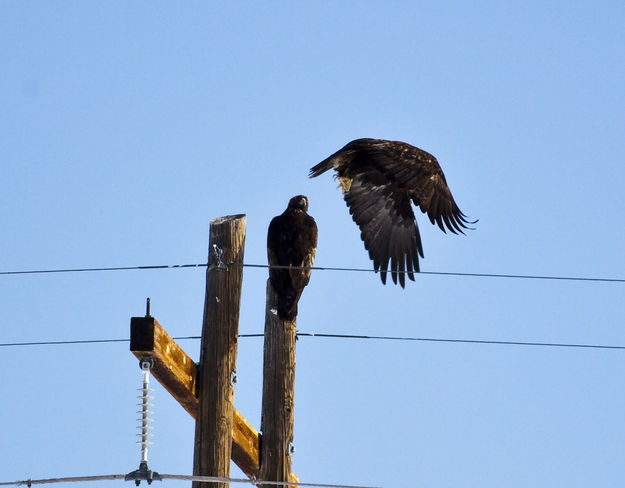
[[315, 268], [73, 479], [465, 341], [349, 336], [201, 479], [452, 273], [105, 268], [58, 343], [80, 341], [215, 479]]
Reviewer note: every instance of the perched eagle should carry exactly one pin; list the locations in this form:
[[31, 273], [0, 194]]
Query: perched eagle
[[291, 241], [379, 180]]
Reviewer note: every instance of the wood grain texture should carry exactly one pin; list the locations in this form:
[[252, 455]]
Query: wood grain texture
[[172, 367], [220, 329], [278, 394]]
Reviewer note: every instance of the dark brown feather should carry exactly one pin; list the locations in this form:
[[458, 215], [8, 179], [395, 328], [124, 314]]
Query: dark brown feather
[[386, 176], [291, 241]]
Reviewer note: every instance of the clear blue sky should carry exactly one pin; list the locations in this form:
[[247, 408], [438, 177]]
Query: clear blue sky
[[127, 126]]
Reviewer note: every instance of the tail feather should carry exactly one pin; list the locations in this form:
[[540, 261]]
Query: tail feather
[[342, 156], [320, 168]]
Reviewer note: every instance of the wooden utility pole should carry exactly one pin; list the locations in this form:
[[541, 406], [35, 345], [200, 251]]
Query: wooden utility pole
[[220, 329], [206, 390], [278, 387]]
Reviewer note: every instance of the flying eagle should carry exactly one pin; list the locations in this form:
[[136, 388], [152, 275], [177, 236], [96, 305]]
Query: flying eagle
[[379, 180], [291, 241]]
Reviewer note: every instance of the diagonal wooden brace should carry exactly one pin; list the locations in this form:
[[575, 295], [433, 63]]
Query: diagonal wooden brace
[[177, 372]]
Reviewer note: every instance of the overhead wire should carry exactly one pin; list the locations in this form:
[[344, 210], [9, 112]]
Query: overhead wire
[[348, 336], [464, 341], [208, 479], [102, 268], [72, 479], [201, 479], [58, 343], [449, 273], [313, 268], [321, 268], [214, 479], [78, 341]]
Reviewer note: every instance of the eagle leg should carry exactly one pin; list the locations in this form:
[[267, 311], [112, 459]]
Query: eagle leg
[[345, 183]]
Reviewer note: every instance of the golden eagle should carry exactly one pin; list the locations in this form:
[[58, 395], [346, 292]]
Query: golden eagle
[[379, 180], [291, 241]]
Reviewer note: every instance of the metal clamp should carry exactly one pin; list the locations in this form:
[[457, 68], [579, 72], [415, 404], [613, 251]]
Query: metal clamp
[[143, 474], [217, 253]]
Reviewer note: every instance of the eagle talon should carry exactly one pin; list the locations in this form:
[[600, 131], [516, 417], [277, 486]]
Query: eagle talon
[[344, 184]]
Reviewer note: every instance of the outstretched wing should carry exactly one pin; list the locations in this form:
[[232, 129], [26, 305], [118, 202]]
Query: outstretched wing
[[380, 179], [387, 225], [415, 172]]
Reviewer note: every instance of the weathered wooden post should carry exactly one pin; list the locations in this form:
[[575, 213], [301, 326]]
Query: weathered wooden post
[[278, 392], [220, 329]]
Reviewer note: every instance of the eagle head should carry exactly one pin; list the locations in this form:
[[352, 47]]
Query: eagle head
[[299, 202]]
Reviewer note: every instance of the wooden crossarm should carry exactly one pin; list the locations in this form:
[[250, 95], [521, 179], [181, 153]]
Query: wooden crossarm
[[177, 372]]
